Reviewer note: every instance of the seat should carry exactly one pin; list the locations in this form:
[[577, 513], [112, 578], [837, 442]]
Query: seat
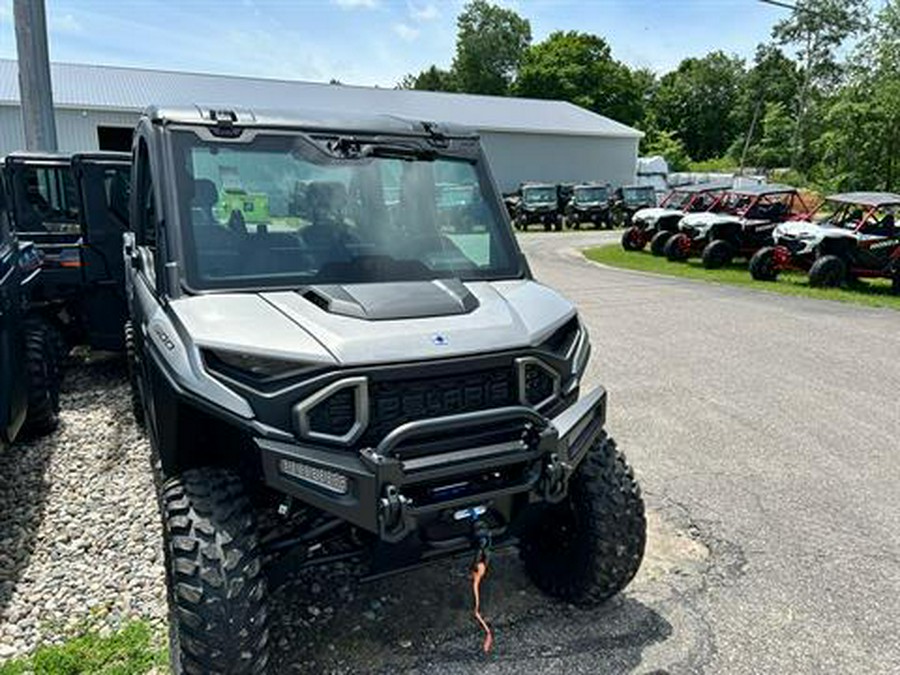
[[219, 249], [202, 202], [327, 236]]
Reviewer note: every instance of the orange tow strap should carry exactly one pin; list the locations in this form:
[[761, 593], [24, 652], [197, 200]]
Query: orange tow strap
[[477, 575]]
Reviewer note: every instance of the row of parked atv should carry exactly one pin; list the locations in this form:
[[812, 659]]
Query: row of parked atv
[[846, 237], [570, 205], [61, 276]]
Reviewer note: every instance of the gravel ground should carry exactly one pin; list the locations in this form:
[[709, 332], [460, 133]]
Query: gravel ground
[[79, 529]]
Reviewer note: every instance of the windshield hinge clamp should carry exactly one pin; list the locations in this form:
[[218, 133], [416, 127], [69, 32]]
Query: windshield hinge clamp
[[436, 137], [224, 123]]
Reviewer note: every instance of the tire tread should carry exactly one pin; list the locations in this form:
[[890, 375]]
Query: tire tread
[[217, 585], [606, 495]]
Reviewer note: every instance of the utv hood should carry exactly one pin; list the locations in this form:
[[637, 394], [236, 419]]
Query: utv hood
[[701, 222], [804, 229], [358, 324], [652, 214]]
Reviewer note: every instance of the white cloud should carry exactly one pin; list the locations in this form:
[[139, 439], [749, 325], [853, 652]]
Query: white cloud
[[427, 12], [406, 32], [352, 4], [66, 23]]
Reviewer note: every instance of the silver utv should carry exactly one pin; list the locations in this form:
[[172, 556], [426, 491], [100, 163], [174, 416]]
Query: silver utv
[[333, 359]]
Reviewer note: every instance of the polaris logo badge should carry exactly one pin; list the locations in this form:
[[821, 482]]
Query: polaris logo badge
[[440, 340]]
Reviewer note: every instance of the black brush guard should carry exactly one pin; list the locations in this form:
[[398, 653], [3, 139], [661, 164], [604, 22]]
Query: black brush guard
[[371, 488]]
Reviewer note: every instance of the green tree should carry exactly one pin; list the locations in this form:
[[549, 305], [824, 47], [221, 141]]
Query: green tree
[[774, 147], [430, 79], [774, 78], [670, 147], [579, 68], [817, 29], [490, 45], [697, 102], [860, 144]]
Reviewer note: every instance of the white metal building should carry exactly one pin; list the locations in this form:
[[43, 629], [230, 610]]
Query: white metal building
[[525, 139]]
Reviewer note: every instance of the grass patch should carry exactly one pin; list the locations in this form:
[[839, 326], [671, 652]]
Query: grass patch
[[873, 292], [135, 649]]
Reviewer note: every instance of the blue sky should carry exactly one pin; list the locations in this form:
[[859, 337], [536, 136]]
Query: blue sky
[[369, 42]]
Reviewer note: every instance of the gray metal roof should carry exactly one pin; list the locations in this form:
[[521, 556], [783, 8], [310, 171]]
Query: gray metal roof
[[114, 88], [866, 198]]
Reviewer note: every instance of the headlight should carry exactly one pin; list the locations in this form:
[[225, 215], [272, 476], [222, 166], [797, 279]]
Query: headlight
[[252, 365], [580, 352]]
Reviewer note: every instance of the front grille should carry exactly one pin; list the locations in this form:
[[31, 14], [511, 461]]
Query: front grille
[[361, 410], [792, 244], [395, 402]]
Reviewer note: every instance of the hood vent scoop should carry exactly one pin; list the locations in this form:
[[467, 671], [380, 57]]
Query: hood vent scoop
[[394, 300]]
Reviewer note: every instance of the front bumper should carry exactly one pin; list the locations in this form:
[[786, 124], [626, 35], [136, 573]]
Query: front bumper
[[392, 490], [539, 216], [589, 215]]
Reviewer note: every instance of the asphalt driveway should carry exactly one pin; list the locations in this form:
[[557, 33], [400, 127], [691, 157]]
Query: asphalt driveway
[[766, 432]]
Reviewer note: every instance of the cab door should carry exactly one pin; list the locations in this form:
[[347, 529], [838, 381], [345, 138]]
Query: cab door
[[104, 186], [12, 380], [878, 240]]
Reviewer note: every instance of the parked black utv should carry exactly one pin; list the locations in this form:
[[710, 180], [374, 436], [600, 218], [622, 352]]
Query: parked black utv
[[589, 203], [74, 208], [539, 205], [29, 358], [629, 199]]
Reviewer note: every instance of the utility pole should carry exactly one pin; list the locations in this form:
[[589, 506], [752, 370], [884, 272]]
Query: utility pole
[[35, 92]]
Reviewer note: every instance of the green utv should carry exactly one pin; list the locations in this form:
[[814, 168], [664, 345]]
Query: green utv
[[337, 370]]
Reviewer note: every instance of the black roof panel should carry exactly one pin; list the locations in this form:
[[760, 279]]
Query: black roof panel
[[764, 189], [711, 186], [866, 198]]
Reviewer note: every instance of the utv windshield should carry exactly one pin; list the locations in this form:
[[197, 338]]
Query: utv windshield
[[877, 221], [539, 195], [638, 195], [281, 211], [46, 199], [590, 195], [678, 200]]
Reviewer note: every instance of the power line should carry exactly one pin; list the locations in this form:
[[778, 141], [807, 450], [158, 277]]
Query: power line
[[776, 3]]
